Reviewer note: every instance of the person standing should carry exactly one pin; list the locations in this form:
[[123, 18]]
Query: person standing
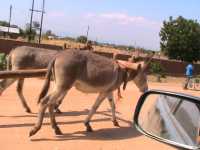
[[189, 74]]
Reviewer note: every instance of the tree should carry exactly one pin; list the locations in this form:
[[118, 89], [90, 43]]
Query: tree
[[157, 70], [49, 33], [2, 61], [180, 39], [82, 39], [36, 25], [30, 34], [4, 23]]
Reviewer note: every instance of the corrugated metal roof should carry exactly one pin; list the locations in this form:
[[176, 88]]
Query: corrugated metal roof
[[11, 30]]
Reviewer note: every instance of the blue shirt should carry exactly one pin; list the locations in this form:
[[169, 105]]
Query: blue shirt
[[189, 70]]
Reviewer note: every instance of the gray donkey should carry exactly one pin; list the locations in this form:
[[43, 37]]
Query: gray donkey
[[25, 57], [89, 73]]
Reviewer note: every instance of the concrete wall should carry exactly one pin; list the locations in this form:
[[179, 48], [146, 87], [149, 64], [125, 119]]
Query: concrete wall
[[7, 45]]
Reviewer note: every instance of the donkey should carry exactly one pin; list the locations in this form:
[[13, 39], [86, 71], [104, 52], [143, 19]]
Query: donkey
[[25, 57], [89, 73]]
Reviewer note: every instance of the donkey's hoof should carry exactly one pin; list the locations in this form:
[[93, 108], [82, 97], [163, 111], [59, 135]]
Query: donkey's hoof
[[58, 131], [89, 129], [58, 111], [32, 132], [115, 123], [28, 110]]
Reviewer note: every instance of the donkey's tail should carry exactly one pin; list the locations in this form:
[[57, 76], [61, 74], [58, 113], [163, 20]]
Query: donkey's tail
[[47, 81]]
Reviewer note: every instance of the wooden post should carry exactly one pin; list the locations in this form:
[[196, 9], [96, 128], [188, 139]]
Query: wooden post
[[23, 73]]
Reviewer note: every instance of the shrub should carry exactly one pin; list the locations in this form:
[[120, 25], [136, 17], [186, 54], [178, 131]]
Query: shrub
[[157, 69], [2, 61], [82, 39]]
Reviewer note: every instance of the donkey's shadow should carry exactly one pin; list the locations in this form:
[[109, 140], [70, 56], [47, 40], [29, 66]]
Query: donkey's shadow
[[62, 114], [102, 134], [115, 133]]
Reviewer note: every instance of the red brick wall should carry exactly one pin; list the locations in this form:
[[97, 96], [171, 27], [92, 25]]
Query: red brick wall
[[174, 68], [7, 45]]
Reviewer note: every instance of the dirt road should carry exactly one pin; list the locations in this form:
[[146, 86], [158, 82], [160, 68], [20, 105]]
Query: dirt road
[[15, 124]]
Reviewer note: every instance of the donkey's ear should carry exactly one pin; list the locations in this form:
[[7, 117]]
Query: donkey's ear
[[127, 65], [134, 59], [148, 61], [149, 58], [139, 67]]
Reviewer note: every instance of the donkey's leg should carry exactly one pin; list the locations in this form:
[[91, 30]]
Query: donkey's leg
[[59, 101], [52, 114], [21, 96], [112, 105], [45, 102], [56, 107], [42, 108], [5, 83], [53, 120], [97, 103]]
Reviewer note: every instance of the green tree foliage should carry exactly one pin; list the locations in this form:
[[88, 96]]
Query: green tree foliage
[[81, 39], [29, 34], [36, 25], [157, 69], [180, 39], [2, 61], [48, 33], [4, 23]]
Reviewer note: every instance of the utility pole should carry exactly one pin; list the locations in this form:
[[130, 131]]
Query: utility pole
[[41, 23], [10, 17], [42, 16], [31, 21], [87, 32]]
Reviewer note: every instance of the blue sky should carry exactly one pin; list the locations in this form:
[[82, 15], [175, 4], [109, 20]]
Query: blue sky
[[116, 21]]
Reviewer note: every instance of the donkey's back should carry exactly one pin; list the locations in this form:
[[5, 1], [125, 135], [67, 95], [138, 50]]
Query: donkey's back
[[25, 57]]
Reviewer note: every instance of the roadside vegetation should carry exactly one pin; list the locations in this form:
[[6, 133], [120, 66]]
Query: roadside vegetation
[[2, 61], [157, 70], [180, 39]]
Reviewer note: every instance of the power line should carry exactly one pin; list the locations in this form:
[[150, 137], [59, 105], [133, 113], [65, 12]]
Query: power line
[[87, 32], [42, 17], [31, 21], [10, 17], [41, 23]]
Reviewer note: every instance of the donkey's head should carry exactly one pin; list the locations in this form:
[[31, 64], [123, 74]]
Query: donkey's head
[[140, 79], [137, 72]]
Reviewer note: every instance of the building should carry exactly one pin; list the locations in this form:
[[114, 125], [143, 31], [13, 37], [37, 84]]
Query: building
[[13, 32]]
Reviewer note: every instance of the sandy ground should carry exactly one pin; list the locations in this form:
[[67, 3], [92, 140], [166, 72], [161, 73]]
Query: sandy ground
[[15, 124]]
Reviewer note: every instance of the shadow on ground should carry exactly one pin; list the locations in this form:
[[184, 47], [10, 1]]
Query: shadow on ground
[[121, 133], [102, 134]]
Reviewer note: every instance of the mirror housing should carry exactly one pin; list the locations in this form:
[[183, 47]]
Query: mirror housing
[[177, 98]]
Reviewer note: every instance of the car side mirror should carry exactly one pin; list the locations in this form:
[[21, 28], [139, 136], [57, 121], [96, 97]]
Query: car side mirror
[[168, 117]]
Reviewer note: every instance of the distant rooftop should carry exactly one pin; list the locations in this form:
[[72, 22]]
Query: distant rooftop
[[11, 30]]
